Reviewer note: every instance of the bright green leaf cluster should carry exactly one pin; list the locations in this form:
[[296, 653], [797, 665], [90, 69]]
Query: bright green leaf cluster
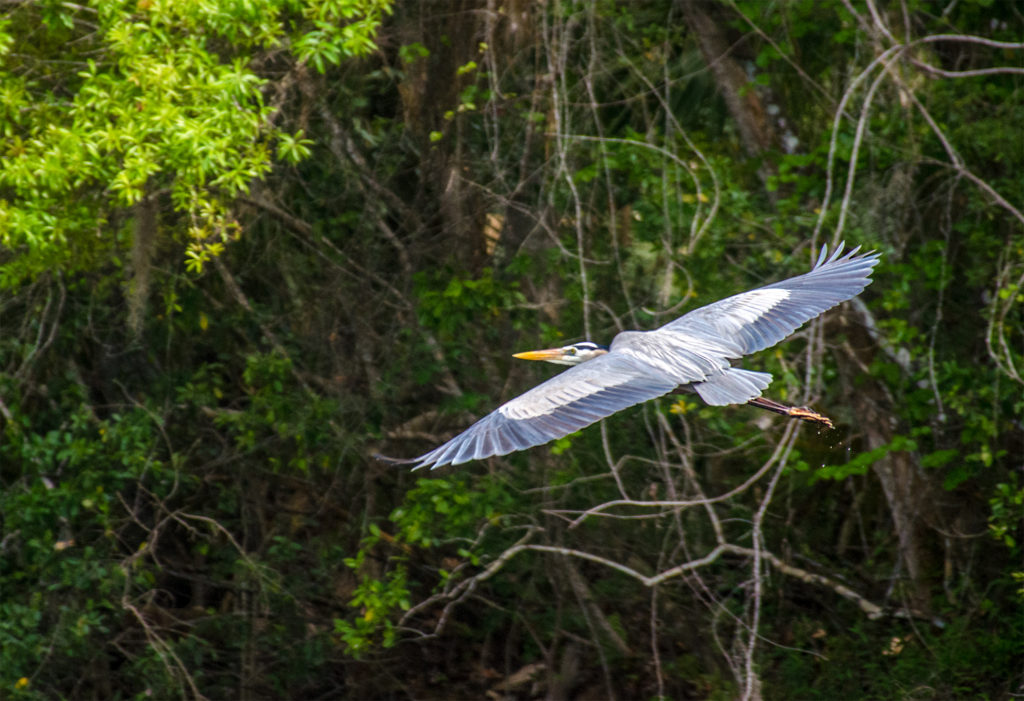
[[166, 103], [437, 513]]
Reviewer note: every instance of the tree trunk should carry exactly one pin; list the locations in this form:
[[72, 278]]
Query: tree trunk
[[742, 101]]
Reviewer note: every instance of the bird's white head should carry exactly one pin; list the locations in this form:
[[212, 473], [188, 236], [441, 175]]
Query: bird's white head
[[566, 355]]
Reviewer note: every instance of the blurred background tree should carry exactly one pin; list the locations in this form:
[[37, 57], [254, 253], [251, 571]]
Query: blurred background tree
[[245, 245]]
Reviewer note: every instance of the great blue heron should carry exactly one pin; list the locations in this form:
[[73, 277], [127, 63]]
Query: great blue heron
[[691, 353]]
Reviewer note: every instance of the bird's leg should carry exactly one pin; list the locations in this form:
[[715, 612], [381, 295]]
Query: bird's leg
[[802, 413], [791, 411]]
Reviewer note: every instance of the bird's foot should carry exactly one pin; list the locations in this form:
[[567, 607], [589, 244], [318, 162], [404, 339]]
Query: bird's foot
[[806, 414], [802, 413]]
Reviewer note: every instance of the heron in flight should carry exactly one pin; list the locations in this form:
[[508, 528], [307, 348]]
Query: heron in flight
[[690, 354]]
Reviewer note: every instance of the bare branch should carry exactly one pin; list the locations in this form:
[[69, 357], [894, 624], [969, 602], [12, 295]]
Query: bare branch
[[973, 73], [684, 503]]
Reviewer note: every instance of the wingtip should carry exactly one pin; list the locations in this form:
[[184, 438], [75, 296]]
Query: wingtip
[[854, 254], [822, 255]]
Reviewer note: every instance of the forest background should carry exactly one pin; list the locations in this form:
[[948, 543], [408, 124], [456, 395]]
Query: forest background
[[246, 244]]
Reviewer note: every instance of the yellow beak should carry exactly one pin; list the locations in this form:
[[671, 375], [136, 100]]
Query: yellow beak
[[546, 354]]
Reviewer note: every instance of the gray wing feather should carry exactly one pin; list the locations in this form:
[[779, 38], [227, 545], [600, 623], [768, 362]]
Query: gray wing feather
[[761, 318], [569, 401]]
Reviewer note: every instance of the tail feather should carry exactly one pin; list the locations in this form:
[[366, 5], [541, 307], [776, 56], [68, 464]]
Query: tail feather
[[733, 386]]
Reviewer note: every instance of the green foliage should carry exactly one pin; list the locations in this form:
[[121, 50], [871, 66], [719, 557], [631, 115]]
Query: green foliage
[[436, 515], [464, 301], [65, 521], [377, 600], [96, 516], [439, 511], [341, 29], [165, 103], [413, 52], [863, 462], [457, 307], [189, 506], [861, 662], [1007, 513]]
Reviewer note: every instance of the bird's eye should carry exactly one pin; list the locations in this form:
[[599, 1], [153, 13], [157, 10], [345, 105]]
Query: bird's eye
[[572, 351]]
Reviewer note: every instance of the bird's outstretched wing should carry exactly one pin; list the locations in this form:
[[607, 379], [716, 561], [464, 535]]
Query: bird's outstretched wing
[[760, 318], [569, 401], [693, 351]]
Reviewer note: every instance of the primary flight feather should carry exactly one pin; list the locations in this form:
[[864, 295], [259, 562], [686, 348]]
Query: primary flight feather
[[692, 353]]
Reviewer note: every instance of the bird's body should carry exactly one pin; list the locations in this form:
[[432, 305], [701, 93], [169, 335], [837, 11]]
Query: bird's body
[[692, 353]]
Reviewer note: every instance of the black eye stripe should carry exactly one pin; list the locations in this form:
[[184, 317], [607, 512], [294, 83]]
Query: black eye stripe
[[583, 347]]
